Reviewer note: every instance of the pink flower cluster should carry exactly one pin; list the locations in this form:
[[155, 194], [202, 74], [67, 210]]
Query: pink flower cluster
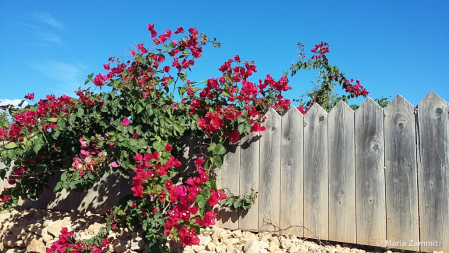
[[355, 89], [63, 244], [90, 154], [183, 197], [5, 197], [28, 119], [143, 171]]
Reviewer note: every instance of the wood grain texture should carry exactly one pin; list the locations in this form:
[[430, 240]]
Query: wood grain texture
[[230, 173], [401, 173], [433, 172], [342, 221], [270, 172], [96, 198], [316, 192], [292, 185], [370, 177], [125, 186], [249, 178], [51, 195], [192, 149], [114, 189]]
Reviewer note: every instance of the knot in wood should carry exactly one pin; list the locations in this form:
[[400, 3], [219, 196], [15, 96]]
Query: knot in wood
[[400, 120], [374, 145]]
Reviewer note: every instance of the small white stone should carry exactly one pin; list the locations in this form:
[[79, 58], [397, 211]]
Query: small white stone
[[211, 246]]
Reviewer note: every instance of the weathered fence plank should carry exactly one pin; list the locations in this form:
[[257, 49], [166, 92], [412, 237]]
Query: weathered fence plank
[[316, 189], [50, 194], [292, 187], [340, 127], [230, 177], [433, 172], [114, 189], [96, 199], [370, 178], [249, 179], [270, 172], [400, 173]]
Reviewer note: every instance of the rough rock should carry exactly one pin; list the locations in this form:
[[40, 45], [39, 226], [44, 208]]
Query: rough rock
[[211, 246], [253, 246], [35, 245], [35, 230], [55, 228], [198, 248], [204, 240]]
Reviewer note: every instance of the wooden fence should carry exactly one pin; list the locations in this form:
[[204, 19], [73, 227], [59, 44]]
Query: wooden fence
[[373, 177]]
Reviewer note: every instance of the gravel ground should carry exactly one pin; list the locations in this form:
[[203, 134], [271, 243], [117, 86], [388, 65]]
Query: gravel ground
[[33, 230]]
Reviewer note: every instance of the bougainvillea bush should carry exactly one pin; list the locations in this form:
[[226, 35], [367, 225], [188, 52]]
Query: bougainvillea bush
[[131, 122]]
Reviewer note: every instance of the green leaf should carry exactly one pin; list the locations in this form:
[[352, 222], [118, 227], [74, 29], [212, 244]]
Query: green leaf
[[218, 162], [237, 204], [178, 128], [52, 119], [90, 175], [72, 118], [158, 146], [58, 187], [139, 108], [80, 112], [38, 143], [183, 76], [247, 127], [144, 224], [241, 128], [15, 196], [72, 185], [221, 149], [11, 145], [200, 201], [11, 154], [64, 176]]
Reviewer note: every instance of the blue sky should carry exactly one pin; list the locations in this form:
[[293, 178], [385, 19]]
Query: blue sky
[[392, 47]]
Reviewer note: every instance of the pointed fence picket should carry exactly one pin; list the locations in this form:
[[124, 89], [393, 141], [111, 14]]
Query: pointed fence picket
[[270, 173], [375, 176], [316, 176], [401, 179], [370, 178], [433, 172], [340, 127], [292, 183]]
